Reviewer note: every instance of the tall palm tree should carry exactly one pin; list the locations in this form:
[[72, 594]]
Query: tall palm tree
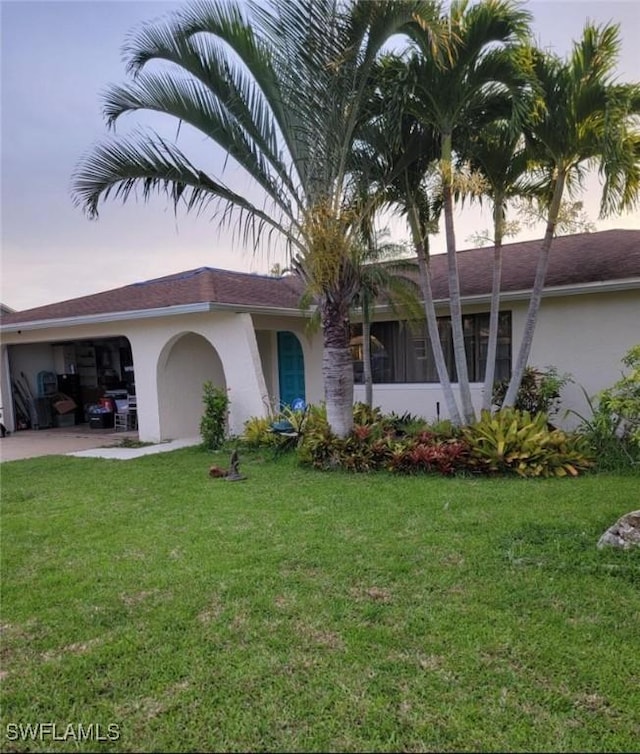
[[498, 153], [279, 87], [384, 277], [586, 120], [401, 154], [453, 97]]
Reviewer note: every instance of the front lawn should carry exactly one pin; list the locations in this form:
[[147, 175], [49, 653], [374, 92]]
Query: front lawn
[[307, 611]]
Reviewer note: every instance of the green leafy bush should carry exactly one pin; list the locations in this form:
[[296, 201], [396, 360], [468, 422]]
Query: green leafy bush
[[320, 448], [362, 450], [622, 400], [257, 432], [509, 442], [513, 441], [363, 414], [539, 391], [613, 429], [366, 450], [445, 429], [404, 424], [213, 425]]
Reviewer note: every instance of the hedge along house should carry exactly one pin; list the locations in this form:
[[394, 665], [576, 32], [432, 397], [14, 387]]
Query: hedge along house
[[164, 338]]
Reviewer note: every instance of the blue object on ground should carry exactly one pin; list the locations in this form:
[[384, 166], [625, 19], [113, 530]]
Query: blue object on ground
[[283, 426]]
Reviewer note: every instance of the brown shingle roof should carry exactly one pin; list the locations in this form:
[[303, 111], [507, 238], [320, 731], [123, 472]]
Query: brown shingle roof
[[575, 260], [202, 285]]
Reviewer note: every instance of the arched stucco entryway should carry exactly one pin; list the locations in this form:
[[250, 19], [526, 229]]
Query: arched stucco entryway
[[186, 362]]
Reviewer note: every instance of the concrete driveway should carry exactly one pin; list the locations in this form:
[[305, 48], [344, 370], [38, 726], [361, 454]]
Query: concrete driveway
[[48, 442]]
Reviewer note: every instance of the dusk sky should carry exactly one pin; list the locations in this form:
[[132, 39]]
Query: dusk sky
[[56, 59]]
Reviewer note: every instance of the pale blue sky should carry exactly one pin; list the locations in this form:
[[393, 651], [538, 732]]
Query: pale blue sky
[[56, 57]]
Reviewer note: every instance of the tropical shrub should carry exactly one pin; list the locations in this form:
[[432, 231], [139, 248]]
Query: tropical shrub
[[622, 400], [400, 424], [514, 441], [428, 454], [539, 390], [508, 442], [377, 446], [257, 432], [612, 449], [613, 429], [404, 424], [445, 429], [320, 448], [213, 425], [364, 414]]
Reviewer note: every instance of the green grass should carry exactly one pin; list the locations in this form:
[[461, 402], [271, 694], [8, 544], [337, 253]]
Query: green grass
[[300, 611]]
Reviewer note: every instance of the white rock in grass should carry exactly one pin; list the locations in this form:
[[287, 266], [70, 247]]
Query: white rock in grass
[[625, 533]]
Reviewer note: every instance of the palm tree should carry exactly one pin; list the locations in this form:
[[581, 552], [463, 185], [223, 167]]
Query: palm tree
[[454, 97], [586, 119], [278, 87], [383, 276], [400, 153], [498, 153]]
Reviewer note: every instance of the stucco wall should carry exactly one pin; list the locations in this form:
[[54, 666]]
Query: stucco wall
[[233, 339], [585, 336], [185, 365], [421, 400], [267, 349]]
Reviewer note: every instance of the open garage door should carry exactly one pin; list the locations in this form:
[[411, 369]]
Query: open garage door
[[55, 384]]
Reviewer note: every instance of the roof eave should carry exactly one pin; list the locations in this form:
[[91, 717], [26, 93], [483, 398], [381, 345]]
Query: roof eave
[[554, 291], [609, 286], [135, 314], [182, 309]]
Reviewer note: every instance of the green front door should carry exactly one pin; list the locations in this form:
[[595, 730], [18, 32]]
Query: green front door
[[290, 368]]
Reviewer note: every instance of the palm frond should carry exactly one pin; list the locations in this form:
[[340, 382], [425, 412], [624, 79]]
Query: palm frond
[[189, 102], [143, 161], [589, 120], [205, 75]]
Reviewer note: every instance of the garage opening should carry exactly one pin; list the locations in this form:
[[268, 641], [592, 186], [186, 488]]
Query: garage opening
[[64, 384]]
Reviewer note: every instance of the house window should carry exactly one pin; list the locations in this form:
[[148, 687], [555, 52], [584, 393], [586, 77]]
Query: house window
[[401, 351], [420, 348]]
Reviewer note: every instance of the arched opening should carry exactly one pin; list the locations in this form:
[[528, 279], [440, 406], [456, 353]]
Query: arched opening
[[185, 364]]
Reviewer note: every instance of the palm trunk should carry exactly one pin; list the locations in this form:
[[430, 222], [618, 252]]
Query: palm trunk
[[536, 293], [455, 305], [432, 320], [494, 316], [366, 352], [337, 365], [366, 363]]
